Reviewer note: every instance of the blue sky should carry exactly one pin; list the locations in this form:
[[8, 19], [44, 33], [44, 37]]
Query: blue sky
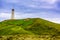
[[46, 9]]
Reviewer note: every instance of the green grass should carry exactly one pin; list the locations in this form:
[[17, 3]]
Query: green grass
[[33, 26]]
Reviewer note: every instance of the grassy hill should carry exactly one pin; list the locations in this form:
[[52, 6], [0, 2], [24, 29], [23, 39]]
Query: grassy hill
[[33, 26]]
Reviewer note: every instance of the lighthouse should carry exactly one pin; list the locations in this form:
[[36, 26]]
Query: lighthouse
[[12, 16]]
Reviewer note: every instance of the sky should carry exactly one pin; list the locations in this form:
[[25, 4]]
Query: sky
[[45, 9]]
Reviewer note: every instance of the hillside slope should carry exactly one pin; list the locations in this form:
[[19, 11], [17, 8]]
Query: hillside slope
[[29, 26]]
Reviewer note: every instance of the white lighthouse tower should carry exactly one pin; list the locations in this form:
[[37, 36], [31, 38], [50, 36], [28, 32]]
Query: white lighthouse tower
[[12, 16]]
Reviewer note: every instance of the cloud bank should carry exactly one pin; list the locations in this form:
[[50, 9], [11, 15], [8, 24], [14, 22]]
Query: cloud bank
[[46, 9]]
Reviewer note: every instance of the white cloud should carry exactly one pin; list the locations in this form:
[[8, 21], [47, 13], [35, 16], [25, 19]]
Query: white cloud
[[46, 1], [49, 4], [50, 1], [34, 3], [11, 1], [55, 20], [24, 15], [5, 15], [45, 16]]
